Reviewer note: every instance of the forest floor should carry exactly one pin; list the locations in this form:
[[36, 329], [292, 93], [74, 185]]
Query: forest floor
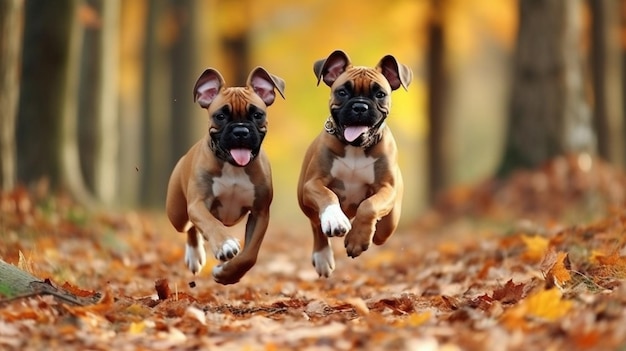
[[536, 261]]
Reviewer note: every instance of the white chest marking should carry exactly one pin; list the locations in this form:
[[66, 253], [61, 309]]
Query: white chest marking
[[356, 171], [235, 192]]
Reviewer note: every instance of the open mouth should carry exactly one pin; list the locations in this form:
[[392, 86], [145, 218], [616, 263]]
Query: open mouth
[[241, 156], [351, 133]]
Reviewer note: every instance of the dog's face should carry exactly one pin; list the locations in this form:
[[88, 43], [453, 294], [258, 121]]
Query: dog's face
[[237, 115], [360, 96]]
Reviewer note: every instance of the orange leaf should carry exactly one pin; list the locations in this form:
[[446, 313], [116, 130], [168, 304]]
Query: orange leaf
[[559, 274]]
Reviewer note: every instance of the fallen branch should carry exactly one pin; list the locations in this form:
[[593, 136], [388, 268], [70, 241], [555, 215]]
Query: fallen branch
[[18, 284]]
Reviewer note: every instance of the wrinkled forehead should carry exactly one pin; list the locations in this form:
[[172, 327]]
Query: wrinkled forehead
[[238, 100], [362, 79]]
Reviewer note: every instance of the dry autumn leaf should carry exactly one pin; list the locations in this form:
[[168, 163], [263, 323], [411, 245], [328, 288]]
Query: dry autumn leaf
[[448, 284], [545, 305], [536, 247], [559, 272]]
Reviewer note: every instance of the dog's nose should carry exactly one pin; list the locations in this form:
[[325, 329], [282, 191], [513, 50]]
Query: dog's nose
[[359, 107], [241, 132]]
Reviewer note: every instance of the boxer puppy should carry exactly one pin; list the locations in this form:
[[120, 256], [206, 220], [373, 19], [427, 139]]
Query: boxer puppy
[[226, 175], [350, 183]]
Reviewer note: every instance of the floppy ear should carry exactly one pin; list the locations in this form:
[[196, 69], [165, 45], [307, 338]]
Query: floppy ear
[[207, 86], [396, 73], [331, 67], [263, 83]]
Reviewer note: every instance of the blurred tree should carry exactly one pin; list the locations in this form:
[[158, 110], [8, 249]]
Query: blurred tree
[[439, 151], [46, 23], [606, 57], [71, 170], [98, 114], [184, 61], [131, 89], [549, 114], [47, 123], [157, 158], [107, 113], [11, 22]]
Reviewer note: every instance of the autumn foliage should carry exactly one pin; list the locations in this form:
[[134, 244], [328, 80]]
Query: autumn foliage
[[535, 261]]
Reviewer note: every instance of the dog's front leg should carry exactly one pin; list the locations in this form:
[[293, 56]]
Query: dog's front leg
[[322, 207], [211, 229], [369, 212], [317, 197], [231, 272]]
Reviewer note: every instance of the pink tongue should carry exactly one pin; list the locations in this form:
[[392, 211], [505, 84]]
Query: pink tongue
[[241, 156], [353, 132]]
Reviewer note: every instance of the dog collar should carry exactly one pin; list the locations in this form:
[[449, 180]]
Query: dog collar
[[331, 128]]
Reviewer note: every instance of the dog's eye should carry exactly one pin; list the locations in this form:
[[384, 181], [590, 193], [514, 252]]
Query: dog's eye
[[341, 93], [219, 117], [380, 95], [257, 115]]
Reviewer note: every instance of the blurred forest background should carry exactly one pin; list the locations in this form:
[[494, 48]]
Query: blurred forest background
[[96, 95]]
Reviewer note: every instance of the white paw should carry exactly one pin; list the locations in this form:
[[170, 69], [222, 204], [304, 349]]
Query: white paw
[[324, 262], [230, 248], [334, 222], [195, 257]]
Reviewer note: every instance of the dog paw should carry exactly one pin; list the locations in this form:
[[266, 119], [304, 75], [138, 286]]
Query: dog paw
[[223, 276], [230, 248], [195, 257], [359, 239], [324, 262], [334, 222], [354, 249]]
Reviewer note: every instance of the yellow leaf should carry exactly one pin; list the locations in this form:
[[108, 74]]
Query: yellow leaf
[[536, 247], [415, 319], [136, 328], [547, 304]]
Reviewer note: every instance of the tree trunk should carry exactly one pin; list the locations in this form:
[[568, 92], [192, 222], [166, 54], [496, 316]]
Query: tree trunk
[[549, 115], [71, 173], [130, 168], [438, 139], [46, 23], [11, 21], [157, 106], [607, 74], [107, 116], [185, 64]]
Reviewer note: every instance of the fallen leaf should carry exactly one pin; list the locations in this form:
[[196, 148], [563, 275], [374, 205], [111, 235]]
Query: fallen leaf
[[414, 319], [509, 293], [559, 273], [359, 306], [545, 305], [536, 247]]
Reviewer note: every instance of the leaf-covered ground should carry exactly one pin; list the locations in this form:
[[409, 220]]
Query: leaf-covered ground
[[534, 262]]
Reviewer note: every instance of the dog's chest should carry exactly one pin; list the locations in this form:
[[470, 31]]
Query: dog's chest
[[233, 193], [355, 173]]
